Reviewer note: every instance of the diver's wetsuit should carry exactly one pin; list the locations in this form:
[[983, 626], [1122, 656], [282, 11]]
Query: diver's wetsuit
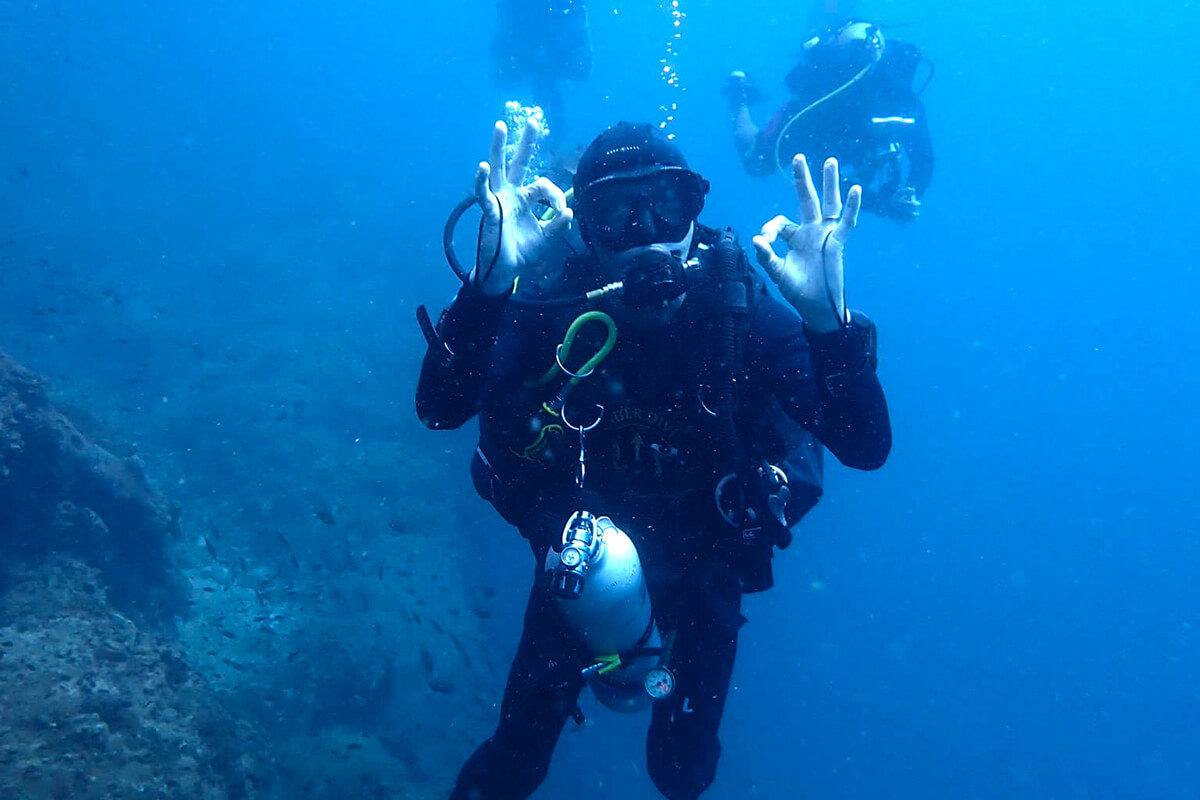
[[651, 468], [842, 126]]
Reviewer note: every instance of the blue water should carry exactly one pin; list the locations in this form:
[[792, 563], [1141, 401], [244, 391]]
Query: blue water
[[1006, 610]]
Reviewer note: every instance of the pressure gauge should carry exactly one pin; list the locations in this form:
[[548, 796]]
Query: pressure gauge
[[659, 682]]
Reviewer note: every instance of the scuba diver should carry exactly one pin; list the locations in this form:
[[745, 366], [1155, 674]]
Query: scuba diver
[[651, 420], [853, 99], [542, 43]]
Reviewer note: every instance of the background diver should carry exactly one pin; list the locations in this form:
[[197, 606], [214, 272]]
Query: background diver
[[541, 44], [853, 98]]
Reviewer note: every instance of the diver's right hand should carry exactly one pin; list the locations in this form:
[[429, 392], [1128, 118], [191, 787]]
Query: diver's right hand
[[903, 205], [511, 235], [741, 91]]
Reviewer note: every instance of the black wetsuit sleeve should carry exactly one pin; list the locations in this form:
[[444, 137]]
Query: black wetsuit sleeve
[[453, 374], [761, 158], [826, 382]]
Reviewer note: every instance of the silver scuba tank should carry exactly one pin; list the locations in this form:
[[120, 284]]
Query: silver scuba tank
[[598, 585]]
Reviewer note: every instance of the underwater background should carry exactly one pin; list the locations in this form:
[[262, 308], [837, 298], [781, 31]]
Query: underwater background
[[218, 219]]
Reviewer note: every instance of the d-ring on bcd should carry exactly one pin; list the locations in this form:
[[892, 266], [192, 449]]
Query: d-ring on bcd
[[579, 478]]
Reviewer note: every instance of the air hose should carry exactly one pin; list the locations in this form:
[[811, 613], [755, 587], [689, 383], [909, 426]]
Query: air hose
[[448, 238], [799, 114], [464, 275], [734, 306]]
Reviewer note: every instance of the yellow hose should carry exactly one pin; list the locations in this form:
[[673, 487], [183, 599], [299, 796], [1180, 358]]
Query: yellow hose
[[796, 117]]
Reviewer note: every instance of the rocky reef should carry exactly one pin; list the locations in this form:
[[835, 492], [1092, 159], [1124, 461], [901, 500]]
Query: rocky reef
[[181, 648], [62, 493], [95, 707]]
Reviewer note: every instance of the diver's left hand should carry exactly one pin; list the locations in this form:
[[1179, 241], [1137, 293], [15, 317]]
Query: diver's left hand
[[811, 276]]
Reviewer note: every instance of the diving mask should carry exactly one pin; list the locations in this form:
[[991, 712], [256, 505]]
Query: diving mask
[[626, 210]]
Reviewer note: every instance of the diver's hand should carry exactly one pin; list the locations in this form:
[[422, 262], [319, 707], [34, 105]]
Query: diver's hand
[[510, 234], [810, 276], [903, 205], [741, 91]]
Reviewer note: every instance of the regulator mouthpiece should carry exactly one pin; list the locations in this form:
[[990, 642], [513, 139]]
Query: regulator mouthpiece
[[653, 276]]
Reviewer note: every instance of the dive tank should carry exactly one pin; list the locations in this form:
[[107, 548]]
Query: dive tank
[[596, 577]]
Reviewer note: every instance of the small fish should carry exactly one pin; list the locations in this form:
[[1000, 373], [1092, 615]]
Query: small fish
[[381, 573], [288, 546], [228, 635], [354, 746], [325, 515], [292, 656], [212, 551], [426, 659], [462, 651]]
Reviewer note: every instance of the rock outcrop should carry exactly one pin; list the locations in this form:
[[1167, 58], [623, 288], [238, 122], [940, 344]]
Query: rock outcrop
[[96, 707], [61, 492]]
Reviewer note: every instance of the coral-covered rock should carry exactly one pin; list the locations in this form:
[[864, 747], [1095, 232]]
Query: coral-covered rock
[[96, 707], [330, 649], [61, 492]]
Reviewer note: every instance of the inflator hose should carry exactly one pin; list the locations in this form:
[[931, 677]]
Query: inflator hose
[[464, 275], [448, 238], [734, 305]]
